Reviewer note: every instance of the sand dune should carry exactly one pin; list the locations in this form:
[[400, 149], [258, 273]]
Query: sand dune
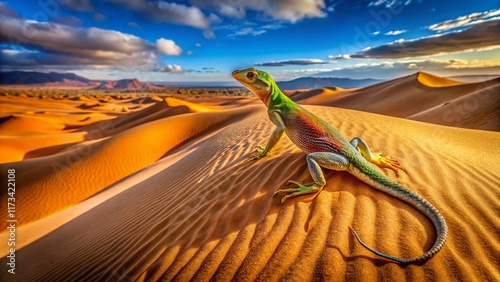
[[479, 110], [82, 170], [409, 96], [167, 193]]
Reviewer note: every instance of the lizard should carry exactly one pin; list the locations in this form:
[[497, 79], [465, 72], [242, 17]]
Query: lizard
[[327, 148]]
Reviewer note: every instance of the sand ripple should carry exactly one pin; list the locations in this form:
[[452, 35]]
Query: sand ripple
[[167, 193]]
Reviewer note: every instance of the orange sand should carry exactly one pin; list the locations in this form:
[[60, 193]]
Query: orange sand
[[166, 191], [452, 103]]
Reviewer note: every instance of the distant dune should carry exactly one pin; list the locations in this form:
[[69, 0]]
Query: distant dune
[[417, 96], [150, 188], [473, 78]]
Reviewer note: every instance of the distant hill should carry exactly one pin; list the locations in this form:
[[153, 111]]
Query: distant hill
[[320, 82], [44, 78], [33, 78], [70, 80], [125, 84]]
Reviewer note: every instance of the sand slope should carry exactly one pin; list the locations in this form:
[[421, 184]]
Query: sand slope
[[167, 193], [411, 96], [81, 170], [212, 214]]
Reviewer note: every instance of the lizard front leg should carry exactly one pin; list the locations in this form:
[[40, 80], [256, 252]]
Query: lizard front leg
[[376, 158], [315, 161], [275, 117]]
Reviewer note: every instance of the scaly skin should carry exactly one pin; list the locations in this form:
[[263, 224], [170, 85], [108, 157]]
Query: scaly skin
[[327, 147]]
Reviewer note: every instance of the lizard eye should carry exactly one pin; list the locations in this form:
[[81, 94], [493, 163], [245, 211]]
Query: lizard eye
[[250, 75]]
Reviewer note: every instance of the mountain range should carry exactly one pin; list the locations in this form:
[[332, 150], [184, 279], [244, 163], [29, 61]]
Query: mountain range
[[73, 80], [70, 80], [321, 82]]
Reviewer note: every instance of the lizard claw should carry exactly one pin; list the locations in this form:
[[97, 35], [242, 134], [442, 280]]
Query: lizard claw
[[386, 161], [258, 153], [301, 189]]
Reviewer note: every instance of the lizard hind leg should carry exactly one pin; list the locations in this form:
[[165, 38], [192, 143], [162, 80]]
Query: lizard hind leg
[[376, 158], [315, 161]]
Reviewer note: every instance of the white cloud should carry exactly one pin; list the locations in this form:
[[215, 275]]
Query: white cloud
[[339, 57], [395, 32], [168, 47], [471, 19], [231, 11], [247, 31], [208, 34], [174, 69], [163, 11], [389, 3], [250, 29], [287, 10], [197, 44]]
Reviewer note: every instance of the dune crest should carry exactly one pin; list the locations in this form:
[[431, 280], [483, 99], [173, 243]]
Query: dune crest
[[430, 80]]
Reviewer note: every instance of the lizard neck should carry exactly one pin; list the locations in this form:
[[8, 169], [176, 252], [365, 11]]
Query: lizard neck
[[276, 97]]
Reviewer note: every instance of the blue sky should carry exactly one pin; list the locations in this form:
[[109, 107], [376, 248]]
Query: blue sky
[[204, 40]]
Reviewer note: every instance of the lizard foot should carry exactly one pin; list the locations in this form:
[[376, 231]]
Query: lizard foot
[[386, 161], [258, 153], [300, 190]]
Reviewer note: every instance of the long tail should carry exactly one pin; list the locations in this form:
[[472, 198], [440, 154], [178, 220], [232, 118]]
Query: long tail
[[378, 181]]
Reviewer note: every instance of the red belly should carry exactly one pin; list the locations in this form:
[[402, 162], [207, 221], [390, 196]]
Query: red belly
[[309, 135]]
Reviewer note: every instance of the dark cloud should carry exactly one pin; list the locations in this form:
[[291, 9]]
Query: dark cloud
[[300, 62], [480, 36], [29, 59], [90, 42], [52, 44], [163, 11], [7, 11], [73, 21], [77, 5], [98, 17]]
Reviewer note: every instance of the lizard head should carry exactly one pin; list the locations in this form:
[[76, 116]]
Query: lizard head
[[259, 82]]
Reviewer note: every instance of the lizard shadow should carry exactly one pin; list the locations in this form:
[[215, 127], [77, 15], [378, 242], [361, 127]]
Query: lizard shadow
[[376, 261]]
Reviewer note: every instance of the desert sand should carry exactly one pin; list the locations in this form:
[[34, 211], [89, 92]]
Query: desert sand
[[158, 189]]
